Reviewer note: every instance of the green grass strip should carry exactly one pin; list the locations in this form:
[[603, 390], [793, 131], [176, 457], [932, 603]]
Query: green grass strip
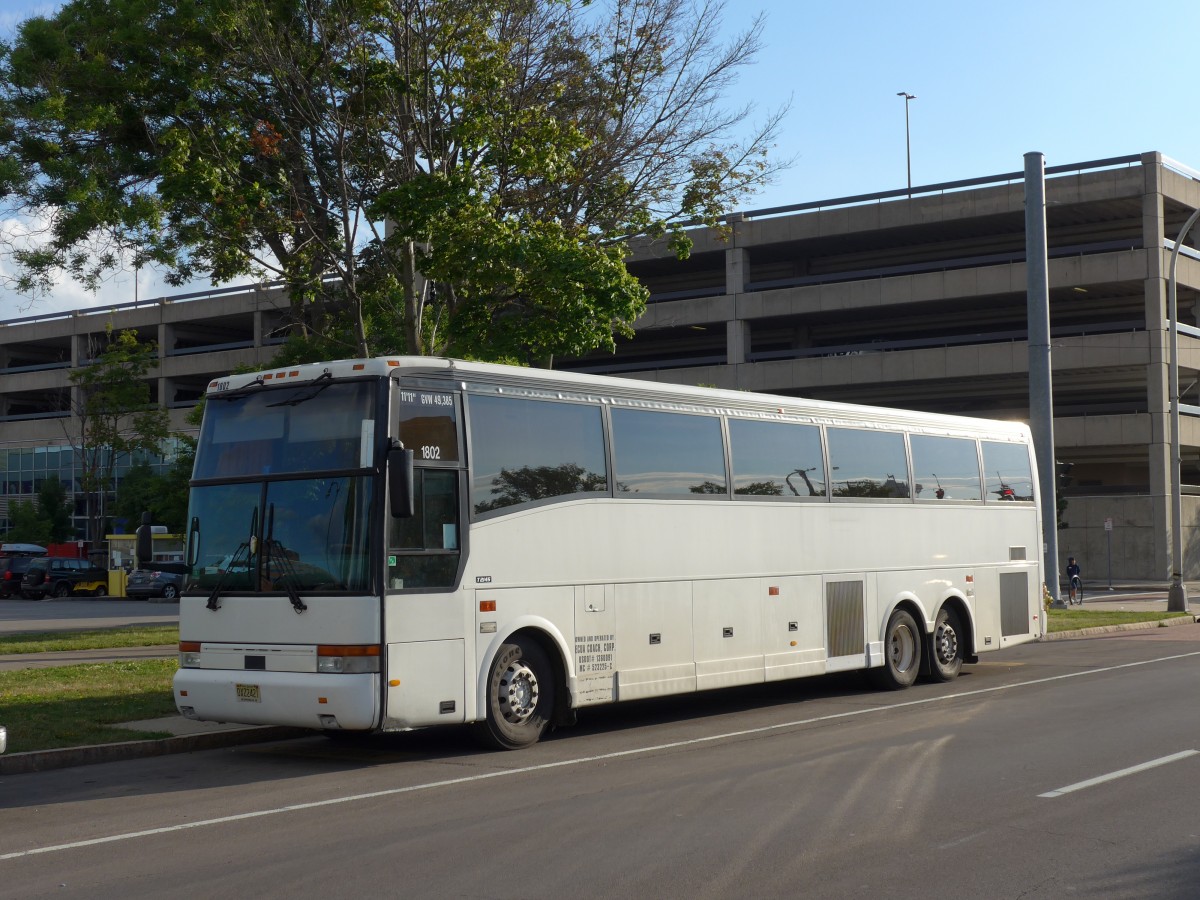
[[1073, 619], [99, 639], [73, 706]]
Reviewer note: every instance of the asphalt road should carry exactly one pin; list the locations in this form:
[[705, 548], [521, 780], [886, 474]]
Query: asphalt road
[[1049, 770], [19, 615]]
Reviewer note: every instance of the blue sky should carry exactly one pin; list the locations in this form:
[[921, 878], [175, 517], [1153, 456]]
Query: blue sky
[[1074, 80]]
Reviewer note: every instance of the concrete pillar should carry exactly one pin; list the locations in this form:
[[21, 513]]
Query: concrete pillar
[[737, 270], [737, 276], [737, 341], [166, 342]]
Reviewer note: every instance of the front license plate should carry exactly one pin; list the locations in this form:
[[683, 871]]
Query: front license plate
[[248, 692]]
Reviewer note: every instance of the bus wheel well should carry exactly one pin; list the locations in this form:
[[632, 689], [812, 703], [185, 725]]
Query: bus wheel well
[[564, 713]]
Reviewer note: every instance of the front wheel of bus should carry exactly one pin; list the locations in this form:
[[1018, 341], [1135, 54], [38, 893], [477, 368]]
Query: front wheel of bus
[[947, 657], [520, 695], [901, 653]]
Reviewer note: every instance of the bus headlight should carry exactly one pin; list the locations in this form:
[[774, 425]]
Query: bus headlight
[[189, 654], [347, 659]]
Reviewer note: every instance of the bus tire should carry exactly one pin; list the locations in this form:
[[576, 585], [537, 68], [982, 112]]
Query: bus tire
[[946, 646], [520, 696], [901, 653]]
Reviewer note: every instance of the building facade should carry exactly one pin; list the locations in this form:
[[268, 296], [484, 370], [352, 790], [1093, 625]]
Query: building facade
[[199, 336], [888, 299]]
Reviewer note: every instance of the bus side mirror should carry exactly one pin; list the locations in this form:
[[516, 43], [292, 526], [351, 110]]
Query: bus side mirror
[[193, 542], [400, 479]]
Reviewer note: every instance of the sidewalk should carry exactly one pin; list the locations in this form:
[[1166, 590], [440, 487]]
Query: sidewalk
[[186, 735]]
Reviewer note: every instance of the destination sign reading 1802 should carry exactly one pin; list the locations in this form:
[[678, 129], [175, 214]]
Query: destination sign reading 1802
[[428, 425]]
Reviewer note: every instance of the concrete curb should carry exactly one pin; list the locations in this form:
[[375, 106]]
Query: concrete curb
[[1129, 626], [45, 760]]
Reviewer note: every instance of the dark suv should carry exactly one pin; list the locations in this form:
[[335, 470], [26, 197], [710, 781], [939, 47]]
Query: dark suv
[[62, 578], [12, 570]]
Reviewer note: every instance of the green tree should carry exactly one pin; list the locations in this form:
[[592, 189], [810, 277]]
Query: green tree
[[424, 175], [54, 507], [26, 524], [114, 417], [139, 490], [162, 494]]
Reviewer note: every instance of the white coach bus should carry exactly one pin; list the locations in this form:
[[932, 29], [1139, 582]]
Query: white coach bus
[[388, 544]]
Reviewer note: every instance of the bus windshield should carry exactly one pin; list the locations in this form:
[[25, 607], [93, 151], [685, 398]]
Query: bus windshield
[[282, 503], [309, 535], [312, 427]]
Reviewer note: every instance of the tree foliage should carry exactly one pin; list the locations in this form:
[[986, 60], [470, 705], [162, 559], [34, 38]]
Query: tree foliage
[[426, 176], [114, 417], [164, 495], [26, 524], [54, 507]]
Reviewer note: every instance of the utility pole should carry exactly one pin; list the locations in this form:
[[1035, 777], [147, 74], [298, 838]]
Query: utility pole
[[1041, 400], [907, 140]]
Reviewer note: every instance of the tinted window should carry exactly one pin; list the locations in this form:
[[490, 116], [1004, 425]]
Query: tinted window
[[776, 459], [306, 428], [667, 453], [423, 549], [945, 468], [867, 463], [526, 450], [1007, 474]]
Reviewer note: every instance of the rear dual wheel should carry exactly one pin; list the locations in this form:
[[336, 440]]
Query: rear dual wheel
[[946, 658]]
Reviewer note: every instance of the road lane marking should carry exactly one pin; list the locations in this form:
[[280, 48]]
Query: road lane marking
[[617, 754], [1113, 776]]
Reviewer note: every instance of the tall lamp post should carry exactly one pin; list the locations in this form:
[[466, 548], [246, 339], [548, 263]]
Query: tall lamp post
[[907, 140], [1177, 593]]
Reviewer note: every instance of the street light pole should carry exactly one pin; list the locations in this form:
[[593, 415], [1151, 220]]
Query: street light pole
[[907, 140], [1177, 593]]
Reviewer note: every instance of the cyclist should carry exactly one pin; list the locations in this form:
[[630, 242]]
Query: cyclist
[[1075, 583]]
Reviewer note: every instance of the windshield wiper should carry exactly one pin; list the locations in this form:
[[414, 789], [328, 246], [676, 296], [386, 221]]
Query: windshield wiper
[[288, 577], [247, 547], [322, 381]]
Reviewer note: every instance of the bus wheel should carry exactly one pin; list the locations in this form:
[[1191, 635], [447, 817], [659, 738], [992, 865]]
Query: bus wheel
[[901, 653], [520, 696], [947, 656]]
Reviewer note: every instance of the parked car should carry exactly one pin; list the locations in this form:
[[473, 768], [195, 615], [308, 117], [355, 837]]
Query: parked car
[[164, 580], [62, 577], [12, 570]]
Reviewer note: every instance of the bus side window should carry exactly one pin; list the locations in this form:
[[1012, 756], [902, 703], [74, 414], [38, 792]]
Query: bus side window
[[529, 450], [866, 463], [945, 468], [776, 459], [668, 453], [1007, 473]]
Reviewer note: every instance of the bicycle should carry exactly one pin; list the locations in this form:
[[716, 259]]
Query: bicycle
[[1076, 589]]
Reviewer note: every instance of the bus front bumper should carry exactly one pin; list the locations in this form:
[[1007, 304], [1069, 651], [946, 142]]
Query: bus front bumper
[[300, 699]]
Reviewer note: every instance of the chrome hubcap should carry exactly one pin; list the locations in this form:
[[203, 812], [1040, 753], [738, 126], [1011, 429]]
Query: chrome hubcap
[[518, 693], [946, 642]]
